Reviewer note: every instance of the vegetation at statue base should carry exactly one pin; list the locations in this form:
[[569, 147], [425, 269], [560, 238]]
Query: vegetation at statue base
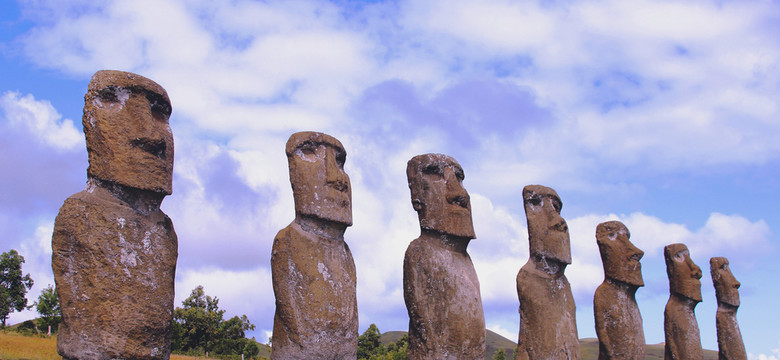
[[370, 346], [199, 329]]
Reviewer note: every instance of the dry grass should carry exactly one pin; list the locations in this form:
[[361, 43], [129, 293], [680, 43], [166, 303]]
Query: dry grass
[[14, 346]]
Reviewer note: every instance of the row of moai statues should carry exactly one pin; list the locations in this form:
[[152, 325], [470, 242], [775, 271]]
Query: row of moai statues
[[114, 256]]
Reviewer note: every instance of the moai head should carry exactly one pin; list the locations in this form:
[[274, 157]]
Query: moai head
[[320, 186], [438, 196], [618, 255], [726, 286], [683, 274], [126, 126], [548, 234]]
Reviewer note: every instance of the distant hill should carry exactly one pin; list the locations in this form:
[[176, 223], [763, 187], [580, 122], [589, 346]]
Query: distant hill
[[589, 347]]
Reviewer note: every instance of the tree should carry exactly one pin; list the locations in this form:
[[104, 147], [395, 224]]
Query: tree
[[48, 306], [369, 343], [370, 346], [198, 328], [198, 321], [13, 285]]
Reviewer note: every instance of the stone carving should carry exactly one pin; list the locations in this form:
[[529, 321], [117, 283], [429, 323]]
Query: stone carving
[[114, 251], [730, 343], [548, 328], [441, 289], [681, 329], [618, 321], [311, 265]]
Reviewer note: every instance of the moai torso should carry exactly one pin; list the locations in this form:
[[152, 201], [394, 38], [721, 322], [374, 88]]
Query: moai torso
[[618, 321], [114, 268], [311, 266], [548, 326], [730, 344], [681, 329], [314, 282], [113, 251], [441, 289]]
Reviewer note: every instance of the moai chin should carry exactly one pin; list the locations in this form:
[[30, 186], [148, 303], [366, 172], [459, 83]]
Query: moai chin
[[730, 344], [114, 251], [548, 328], [681, 329], [311, 265], [441, 288], [618, 321]]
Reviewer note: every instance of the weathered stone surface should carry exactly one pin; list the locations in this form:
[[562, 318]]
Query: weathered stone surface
[[681, 329], [114, 251], [311, 265], [548, 327], [441, 289], [618, 321], [730, 344]]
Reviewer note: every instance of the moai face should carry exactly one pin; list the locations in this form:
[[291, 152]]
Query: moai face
[[726, 286], [438, 196], [683, 274], [619, 256], [128, 137], [548, 233], [320, 186]]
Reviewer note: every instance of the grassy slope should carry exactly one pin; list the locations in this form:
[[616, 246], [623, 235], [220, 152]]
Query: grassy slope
[[589, 348], [14, 346]]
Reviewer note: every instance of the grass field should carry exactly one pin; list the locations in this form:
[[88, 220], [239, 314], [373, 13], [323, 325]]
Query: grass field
[[14, 346]]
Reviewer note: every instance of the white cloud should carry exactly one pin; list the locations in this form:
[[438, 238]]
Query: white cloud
[[41, 120], [775, 351]]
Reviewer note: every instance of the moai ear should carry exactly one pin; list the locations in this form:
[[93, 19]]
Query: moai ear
[[418, 205]]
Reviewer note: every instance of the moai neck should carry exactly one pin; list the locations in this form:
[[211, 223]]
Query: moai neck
[[550, 268], [327, 229], [142, 201], [456, 243], [622, 286], [682, 301]]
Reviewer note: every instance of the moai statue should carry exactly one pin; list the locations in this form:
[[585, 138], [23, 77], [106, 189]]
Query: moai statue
[[618, 321], [680, 327], [441, 289], [730, 343], [548, 328], [312, 268], [114, 250]]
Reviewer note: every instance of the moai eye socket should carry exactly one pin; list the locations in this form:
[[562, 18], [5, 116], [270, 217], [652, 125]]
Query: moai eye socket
[[108, 94], [433, 169], [160, 108]]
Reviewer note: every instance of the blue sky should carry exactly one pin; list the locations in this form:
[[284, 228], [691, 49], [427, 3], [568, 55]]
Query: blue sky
[[661, 114]]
